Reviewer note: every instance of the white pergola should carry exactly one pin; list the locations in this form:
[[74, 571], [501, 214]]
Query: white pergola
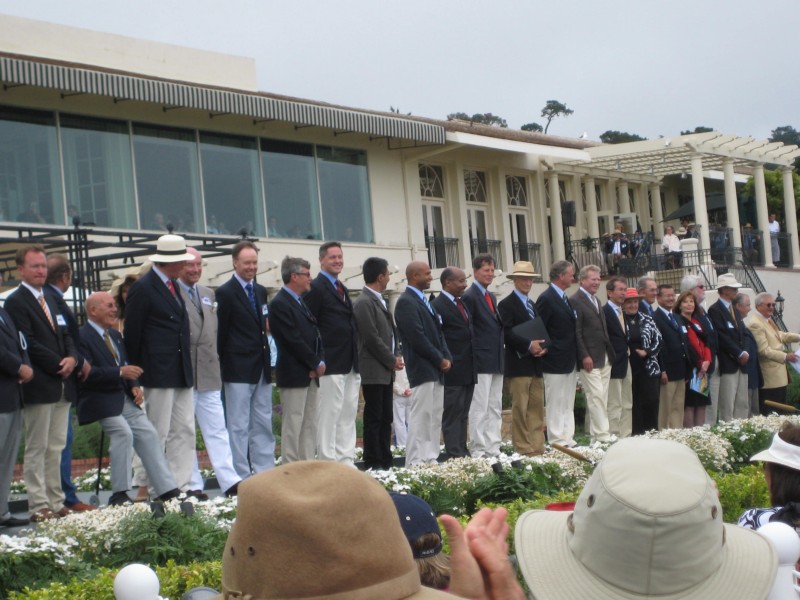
[[692, 154]]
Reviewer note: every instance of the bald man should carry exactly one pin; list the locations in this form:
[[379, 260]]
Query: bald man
[[427, 359]]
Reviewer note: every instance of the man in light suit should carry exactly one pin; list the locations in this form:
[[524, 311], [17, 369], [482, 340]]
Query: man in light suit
[[157, 340], [243, 348], [523, 364], [379, 357], [773, 352], [331, 306], [15, 369], [485, 420], [46, 408], [595, 352], [202, 309], [427, 360], [112, 396], [620, 386], [558, 365], [459, 381], [59, 280], [300, 361]]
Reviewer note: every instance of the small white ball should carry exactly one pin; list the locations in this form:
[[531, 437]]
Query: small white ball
[[785, 540], [136, 582]]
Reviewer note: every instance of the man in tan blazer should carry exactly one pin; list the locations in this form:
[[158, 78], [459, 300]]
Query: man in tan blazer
[[202, 310], [595, 353], [773, 352]]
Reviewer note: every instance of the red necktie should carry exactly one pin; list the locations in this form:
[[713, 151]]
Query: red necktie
[[340, 289], [461, 309], [488, 297], [171, 288]]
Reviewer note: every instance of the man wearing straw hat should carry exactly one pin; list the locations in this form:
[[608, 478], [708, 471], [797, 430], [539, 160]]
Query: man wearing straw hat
[[157, 340]]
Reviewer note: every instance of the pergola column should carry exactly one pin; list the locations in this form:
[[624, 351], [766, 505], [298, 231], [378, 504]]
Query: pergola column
[[700, 207], [761, 213], [732, 203], [574, 193], [643, 207], [655, 207], [557, 223], [624, 197], [591, 207], [790, 208]]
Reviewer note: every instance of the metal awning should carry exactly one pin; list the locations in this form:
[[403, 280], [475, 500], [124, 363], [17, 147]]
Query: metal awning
[[713, 202], [673, 155], [73, 79]]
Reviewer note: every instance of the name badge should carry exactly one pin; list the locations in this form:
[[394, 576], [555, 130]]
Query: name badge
[[60, 320], [730, 325], [438, 316], [206, 300], [683, 327], [264, 310], [575, 313]]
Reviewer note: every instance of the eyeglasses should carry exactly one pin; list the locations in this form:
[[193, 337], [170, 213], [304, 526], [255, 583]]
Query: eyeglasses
[[701, 286], [304, 273], [769, 304]]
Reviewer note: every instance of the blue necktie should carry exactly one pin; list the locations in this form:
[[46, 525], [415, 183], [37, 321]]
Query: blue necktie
[[672, 319], [529, 307], [427, 304], [252, 296]]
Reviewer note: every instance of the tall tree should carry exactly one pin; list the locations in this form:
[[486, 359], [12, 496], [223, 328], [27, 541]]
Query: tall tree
[[700, 129], [532, 127], [619, 137], [484, 118], [788, 135], [553, 109], [773, 181]]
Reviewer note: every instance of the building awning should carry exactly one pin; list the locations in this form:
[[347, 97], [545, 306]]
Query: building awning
[[713, 202], [80, 79]]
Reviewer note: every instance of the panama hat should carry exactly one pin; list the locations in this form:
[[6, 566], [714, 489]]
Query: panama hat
[[681, 231], [171, 248], [648, 524], [781, 453], [522, 268], [727, 280], [321, 530]]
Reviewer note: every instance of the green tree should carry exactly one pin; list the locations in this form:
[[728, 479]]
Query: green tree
[[484, 118], [773, 181], [701, 129], [532, 127], [553, 109], [619, 137], [789, 136]]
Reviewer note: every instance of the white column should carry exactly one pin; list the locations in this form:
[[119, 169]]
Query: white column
[[458, 206], [761, 213], [556, 222], [791, 216], [591, 207], [504, 227], [624, 197], [611, 200], [732, 203], [655, 206], [643, 207], [580, 216], [700, 207], [540, 220]]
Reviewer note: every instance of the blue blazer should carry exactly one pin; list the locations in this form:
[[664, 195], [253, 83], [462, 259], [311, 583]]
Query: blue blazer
[[460, 341], [242, 342], [157, 334], [12, 357], [619, 341], [487, 328], [730, 337], [559, 320], [673, 359], [298, 341], [422, 338], [336, 323], [71, 384]]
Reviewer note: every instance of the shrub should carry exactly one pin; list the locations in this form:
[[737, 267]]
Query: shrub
[[739, 491]]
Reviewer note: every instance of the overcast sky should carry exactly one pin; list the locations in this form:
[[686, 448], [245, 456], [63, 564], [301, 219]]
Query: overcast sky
[[651, 68]]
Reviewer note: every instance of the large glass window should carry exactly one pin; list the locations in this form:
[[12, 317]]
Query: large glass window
[[475, 186], [30, 184], [231, 183], [168, 179], [344, 191], [98, 172], [290, 188]]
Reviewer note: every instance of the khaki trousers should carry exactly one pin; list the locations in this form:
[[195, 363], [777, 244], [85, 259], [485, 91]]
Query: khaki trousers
[[527, 412], [299, 423], [595, 387], [45, 438], [620, 405], [670, 404]]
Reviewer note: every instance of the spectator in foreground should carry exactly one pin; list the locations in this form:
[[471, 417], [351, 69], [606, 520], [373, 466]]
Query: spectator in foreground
[[643, 532], [425, 538]]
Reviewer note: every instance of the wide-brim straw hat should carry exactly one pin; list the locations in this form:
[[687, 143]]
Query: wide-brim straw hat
[[781, 453], [727, 280], [648, 524], [321, 530], [681, 231], [523, 268], [171, 248]]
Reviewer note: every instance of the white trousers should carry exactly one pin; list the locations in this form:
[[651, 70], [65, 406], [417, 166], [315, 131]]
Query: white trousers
[[734, 402], [299, 423], [401, 407], [211, 418], [620, 406], [425, 424], [713, 395], [336, 417], [559, 399], [248, 411], [595, 388], [485, 419]]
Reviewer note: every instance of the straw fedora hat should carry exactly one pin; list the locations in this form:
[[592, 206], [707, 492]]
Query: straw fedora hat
[[171, 248], [648, 524], [727, 280], [523, 268]]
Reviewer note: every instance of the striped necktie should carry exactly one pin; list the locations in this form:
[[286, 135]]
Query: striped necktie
[[46, 309]]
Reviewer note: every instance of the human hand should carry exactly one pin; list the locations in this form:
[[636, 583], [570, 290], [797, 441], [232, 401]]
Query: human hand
[[641, 352], [398, 363], [130, 372], [25, 373], [138, 396], [85, 369], [743, 358], [66, 366], [445, 365], [587, 364], [664, 379]]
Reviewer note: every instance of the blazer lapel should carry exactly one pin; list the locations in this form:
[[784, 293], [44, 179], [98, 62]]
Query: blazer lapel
[[242, 296]]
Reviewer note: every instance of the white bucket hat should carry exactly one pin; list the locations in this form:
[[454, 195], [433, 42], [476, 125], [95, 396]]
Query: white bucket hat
[[781, 453], [171, 248], [648, 524], [728, 280]]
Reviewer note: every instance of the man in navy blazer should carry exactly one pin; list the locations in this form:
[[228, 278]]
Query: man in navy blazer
[[673, 360], [59, 280], [558, 365], [459, 381], [300, 361], [112, 396], [339, 388], [244, 356], [46, 408], [15, 369], [620, 386], [157, 340], [485, 411], [427, 360]]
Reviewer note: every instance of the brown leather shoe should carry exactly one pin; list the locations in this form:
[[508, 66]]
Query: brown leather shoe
[[43, 514], [81, 507], [62, 512]]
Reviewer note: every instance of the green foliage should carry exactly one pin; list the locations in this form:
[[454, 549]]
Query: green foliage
[[739, 491], [483, 118], [86, 441], [773, 181], [793, 391], [700, 129], [553, 109], [175, 581], [20, 571], [619, 137], [789, 136], [532, 127], [747, 442]]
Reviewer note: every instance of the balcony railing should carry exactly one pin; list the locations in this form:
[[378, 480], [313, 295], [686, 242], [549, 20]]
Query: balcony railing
[[533, 254], [442, 252], [493, 247]]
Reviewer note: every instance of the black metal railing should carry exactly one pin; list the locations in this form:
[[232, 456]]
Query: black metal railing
[[587, 251], [532, 253], [442, 252], [493, 247], [783, 243]]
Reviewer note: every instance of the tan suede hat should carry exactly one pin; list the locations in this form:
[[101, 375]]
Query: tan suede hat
[[318, 530]]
